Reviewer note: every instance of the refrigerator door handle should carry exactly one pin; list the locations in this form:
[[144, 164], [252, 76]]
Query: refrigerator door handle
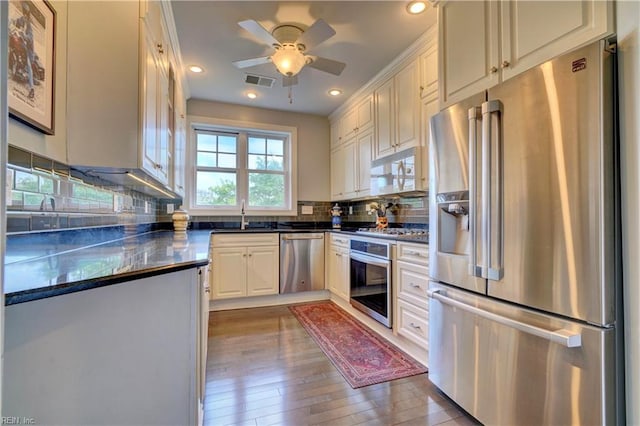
[[474, 115], [563, 337], [492, 187]]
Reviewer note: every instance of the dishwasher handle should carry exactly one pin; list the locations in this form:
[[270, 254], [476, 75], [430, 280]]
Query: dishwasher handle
[[302, 237]]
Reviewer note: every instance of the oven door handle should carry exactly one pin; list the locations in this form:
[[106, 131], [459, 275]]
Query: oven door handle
[[369, 260]]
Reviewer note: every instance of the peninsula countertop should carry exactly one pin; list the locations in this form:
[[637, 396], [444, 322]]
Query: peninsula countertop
[[44, 270]]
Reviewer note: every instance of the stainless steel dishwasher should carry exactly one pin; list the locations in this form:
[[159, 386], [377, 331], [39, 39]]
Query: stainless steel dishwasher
[[301, 261]]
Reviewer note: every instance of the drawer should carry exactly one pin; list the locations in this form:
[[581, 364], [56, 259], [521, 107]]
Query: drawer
[[339, 240], [250, 239], [411, 252], [413, 323], [412, 283]]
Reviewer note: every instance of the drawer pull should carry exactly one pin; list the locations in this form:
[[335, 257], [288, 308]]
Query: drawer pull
[[413, 253], [417, 327], [414, 285]]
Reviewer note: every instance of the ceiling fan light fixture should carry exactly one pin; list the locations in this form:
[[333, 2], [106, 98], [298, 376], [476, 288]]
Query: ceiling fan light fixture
[[416, 7], [289, 60]]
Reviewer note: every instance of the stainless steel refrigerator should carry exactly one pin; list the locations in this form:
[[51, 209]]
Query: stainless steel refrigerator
[[525, 316]]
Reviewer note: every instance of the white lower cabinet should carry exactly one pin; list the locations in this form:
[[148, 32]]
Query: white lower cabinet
[[245, 265], [338, 266], [130, 353], [412, 283]]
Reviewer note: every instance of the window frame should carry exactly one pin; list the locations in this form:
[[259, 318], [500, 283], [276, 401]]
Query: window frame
[[243, 129]]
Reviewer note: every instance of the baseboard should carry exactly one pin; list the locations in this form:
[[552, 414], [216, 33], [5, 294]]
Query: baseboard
[[271, 300]]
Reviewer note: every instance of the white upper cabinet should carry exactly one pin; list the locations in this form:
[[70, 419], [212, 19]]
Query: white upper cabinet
[[429, 72], [120, 91], [485, 42], [397, 115], [567, 25], [468, 37], [358, 118]]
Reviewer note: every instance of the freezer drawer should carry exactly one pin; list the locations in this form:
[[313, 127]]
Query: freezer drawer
[[506, 365]]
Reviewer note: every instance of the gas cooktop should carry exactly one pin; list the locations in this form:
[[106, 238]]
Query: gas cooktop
[[396, 233]]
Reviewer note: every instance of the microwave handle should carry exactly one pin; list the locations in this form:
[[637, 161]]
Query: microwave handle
[[402, 175]]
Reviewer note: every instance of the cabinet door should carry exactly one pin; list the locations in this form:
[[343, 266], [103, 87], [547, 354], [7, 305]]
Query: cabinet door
[[407, 115], [151, 120], [363, 157], [336, 138], [365, 114], [263, 271], [163, 154], [344, 284], [429, 72], [180, 142], [468, 50], [385, 126], [567, 25], [349, 124], [338, 281], [337, 174], [429, 108], [350, 168], [229, 272]]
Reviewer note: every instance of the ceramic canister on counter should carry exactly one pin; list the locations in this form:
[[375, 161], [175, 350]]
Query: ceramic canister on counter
[[336, 220], [180, 219]]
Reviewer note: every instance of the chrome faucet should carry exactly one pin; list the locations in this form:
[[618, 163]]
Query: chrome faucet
[[48, 203], [243, 224]]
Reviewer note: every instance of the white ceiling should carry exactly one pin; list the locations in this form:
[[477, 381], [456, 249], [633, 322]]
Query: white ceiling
[[369, 35]]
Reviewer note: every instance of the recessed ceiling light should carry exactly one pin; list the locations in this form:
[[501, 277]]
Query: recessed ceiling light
[[416, 7], [252, 95], [335, 92], [196, 69]]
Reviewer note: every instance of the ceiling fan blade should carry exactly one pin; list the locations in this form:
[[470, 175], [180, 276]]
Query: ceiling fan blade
[[259, 31], [326, 65], [246, 63], [316, 34], [289, 81]]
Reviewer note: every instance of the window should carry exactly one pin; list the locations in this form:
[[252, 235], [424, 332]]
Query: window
[[236, 165]]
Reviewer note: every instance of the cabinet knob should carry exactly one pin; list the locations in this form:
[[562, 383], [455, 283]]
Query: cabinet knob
[[505, 64], [160, 48], [494, 70]]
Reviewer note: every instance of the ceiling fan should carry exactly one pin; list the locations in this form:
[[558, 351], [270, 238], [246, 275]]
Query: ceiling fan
[[291, 43]]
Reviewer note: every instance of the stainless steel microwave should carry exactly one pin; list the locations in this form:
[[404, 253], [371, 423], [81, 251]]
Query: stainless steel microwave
[[397, 173]]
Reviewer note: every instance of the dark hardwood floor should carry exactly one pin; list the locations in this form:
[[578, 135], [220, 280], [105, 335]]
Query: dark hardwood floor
[[264, 369]]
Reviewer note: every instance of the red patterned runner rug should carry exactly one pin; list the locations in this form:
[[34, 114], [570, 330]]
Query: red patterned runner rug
[[361, 356]]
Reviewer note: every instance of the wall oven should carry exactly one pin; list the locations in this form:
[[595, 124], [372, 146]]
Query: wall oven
[[370, 263]]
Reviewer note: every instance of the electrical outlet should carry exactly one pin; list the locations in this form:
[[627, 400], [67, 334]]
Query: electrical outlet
[[169, 208], [147, 207], [307, 210], [350, 209]]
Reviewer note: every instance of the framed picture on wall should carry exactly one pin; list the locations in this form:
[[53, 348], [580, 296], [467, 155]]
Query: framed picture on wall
[[31, 62]]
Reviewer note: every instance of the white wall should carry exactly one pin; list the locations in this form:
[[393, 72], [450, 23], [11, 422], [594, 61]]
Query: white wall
[[313, 141], [628, 27], [25, 137]]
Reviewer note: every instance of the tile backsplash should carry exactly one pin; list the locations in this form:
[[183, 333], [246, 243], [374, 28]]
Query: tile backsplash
[[42, 194]]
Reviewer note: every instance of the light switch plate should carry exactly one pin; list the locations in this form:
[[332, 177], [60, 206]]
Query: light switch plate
[[307, 209]]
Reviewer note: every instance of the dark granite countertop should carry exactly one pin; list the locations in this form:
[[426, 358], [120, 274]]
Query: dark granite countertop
[[48, 267]]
